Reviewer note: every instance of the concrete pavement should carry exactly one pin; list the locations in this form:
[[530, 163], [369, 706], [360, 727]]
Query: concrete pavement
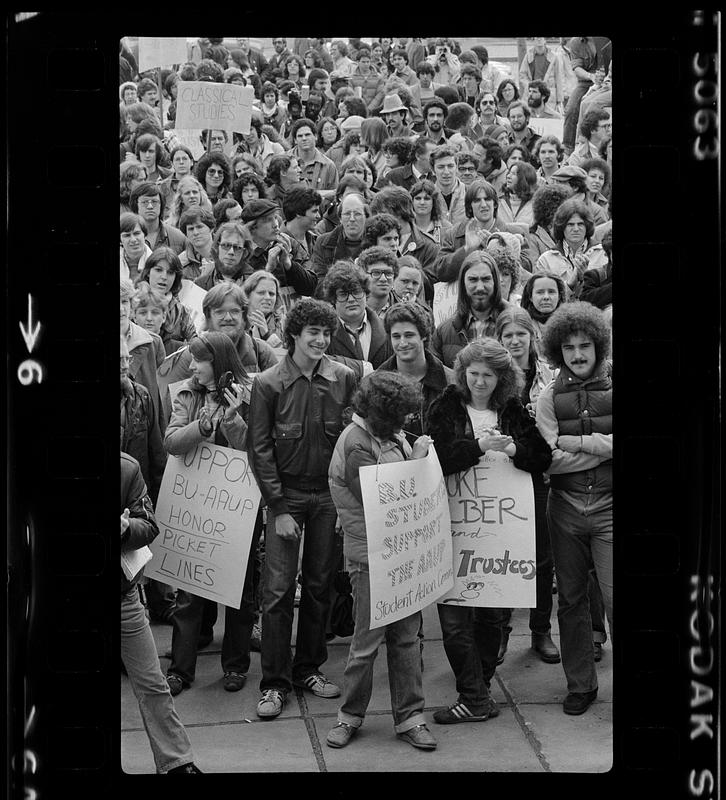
[[531, 733]]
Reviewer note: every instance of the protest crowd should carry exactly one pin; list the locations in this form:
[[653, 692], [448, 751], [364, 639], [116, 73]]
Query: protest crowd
[[406, 247]]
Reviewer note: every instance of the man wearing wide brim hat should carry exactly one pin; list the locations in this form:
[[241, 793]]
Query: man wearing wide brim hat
[[395, 114]]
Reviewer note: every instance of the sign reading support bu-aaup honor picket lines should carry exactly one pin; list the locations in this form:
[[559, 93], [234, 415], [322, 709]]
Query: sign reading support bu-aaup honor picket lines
[[206, 514], [492, 531], [214, 106], [407, 527]]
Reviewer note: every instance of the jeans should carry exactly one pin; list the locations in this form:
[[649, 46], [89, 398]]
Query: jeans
[[539, 616], [403, 654], [597, 609], [569, 130], [159, 600], [471, 641], [192, 613], [169, 742], [313, 510], [580, 542]]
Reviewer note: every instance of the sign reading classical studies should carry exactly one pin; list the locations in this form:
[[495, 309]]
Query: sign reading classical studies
[[492, 531], [446, 296], [409, 540], [206, 514], [214, 106], [161, 51]]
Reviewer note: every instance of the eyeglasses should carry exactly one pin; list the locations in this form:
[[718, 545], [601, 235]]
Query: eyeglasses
[[212, 171], [487, 103], [238, 248], [149, 201], [219, 313], [341, 296], [377, 273], [352, 215]]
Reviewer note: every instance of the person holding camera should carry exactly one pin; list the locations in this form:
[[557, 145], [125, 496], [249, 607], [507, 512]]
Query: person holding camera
[[212, 406]]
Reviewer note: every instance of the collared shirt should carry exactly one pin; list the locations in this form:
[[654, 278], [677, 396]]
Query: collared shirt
[[480, 328], [320, 173], [362, 334]]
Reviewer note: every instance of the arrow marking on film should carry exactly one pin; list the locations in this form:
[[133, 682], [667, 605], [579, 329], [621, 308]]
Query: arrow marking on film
[[31, 334]]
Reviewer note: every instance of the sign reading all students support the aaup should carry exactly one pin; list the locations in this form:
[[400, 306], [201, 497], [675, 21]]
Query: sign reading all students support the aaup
[[206, 515], [214, 106], [492, 532], [409, 541]]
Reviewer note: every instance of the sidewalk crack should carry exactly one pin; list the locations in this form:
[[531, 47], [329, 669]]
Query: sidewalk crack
[[529, 734], [309, 721]]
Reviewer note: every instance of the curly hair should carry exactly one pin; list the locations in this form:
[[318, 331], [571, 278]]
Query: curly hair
[[221, 209], [308, 311], [250, 160], [220, 350], [172, 259], [146, 297], [298, 200], [602, 165], [244, 180], [590, 121], [315, 56], [384, 399], [438, 206], [562, 216], [401, 147], [379, 225], [526, 182], [545, 202], [375, 254], [570, 319], [526, 301], [206, 161], [285, 67], [208, 70], [343, 276], [514, 315], [507, 264], [415, 314], [510, 378]]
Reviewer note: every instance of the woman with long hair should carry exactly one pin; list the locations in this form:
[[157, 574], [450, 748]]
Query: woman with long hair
[[182, 163], [266, 312], [328, 133], [189, 192], [211, 408], [429, 207], [375, 436], [293, 69], [572, 231], [273, 113], [373, 133], [245, 162], [542, 295], [517, 334], [515, 204], [507, 92], [163, 273], [213, 172], [597, 182], [283, 173], [481, 413]]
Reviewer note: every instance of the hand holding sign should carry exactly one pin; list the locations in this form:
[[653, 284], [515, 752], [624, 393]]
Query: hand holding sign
[[421, 446]]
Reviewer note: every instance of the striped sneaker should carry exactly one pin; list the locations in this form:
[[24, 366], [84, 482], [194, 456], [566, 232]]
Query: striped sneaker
[[319, 685], [458, 712]]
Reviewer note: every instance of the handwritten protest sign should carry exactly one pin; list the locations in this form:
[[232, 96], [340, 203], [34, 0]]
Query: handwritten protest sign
[[407, 525], [492, 531], [544, 126], [215, 106], [206, 515], [446, 296], [190, 140], [161, 51]]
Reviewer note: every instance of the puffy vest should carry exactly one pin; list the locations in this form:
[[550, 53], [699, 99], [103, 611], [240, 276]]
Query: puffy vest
[[582, 408]]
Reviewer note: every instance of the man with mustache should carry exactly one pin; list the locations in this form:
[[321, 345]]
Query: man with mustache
[[574, 416]]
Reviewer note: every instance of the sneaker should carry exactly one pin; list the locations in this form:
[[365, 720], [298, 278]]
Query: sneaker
[[233, 681], [176, 684], [420, 737], [186, 769], [458, 712], [256, 637], [579, 702], [340, 735], [271, 703], [319, 685]]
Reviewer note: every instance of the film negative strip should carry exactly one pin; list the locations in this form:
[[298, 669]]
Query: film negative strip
[[63, 719]]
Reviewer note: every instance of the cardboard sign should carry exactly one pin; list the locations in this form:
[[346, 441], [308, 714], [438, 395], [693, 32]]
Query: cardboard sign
[[407, 527], [191, 296], [446, 295], [547, 127], [160, 51], [492, 532], [190, 140], [215, 106], [206, 514]]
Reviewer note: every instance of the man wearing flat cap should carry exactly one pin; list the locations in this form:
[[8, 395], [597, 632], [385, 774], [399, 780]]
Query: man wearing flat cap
[[275, 251], [576, 179]]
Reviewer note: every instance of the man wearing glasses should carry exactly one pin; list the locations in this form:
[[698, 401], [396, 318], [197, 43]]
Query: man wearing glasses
[[274, 65], [487, 107], [360, 334], [594, 128], [147, 200], [228, 249]]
